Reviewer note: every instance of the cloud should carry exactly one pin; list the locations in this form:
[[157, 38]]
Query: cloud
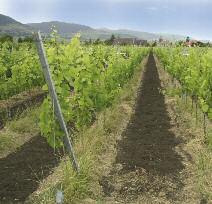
[[152, 8], [159, 1], [29, 10], [5, 6]]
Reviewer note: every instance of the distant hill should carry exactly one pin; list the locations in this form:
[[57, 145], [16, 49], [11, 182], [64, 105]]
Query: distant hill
[[136, 34], [6, 20], [64, 29], [13, 27], [68, 30], [142, 35]]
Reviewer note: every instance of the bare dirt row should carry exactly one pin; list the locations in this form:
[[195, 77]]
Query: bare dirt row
[[153, 163], [22, 171]]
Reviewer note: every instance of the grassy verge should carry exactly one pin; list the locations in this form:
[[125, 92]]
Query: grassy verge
[[202, 147], [94, 147], [15, 105], [18, 131]]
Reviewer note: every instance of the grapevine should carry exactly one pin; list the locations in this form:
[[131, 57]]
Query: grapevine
[[193, 69], [87, 80]]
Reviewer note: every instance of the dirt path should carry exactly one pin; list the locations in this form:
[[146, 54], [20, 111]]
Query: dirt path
[[152, 164], [21, 171]]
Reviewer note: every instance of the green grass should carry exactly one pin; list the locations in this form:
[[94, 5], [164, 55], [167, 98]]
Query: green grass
[[203, 158], [27, 123], [6, 142], [18, 131]]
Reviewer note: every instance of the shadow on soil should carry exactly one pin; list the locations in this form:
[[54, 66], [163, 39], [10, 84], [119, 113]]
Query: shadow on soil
[[147, 141], [147, 144], [21, 171]]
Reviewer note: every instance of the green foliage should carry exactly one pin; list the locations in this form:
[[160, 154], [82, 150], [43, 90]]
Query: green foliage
[[111, 40], [87, 80], [6, 38], [27, 39], [192, 67], [19, 68]]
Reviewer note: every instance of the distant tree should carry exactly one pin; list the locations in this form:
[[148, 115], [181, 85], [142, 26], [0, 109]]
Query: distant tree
[[179, 43], [28, 39], [88, 42], [20, 40], [160, 39], [97, 41], [208, 44], [201, 44], [6, 38], [154, 44], [148, 44], [111, 40], [187, 39]]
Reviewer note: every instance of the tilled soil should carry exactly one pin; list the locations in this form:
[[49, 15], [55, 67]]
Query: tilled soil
[[16, 104], [22, 171], [152, 164]]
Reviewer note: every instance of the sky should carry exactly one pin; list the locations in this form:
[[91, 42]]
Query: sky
[[185, 17]]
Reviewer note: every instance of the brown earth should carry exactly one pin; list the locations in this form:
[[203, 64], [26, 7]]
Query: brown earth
[[22, 171], [153, 163], [16, 104]]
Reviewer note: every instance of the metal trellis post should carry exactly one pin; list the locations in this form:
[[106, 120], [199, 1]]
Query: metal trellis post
[[46, 71]]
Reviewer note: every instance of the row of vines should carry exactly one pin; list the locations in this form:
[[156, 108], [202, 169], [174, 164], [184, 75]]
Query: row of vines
[[193, 69], [19, 68], [87, 78]]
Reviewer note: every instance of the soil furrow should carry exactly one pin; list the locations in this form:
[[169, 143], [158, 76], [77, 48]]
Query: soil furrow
[[23, 170], [148, 167]]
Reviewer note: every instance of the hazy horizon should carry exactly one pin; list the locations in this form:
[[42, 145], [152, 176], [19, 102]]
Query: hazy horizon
[[187, 18]]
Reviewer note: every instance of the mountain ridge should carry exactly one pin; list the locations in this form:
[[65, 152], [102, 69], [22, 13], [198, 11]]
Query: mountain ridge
[[12, 27], [67, 30]]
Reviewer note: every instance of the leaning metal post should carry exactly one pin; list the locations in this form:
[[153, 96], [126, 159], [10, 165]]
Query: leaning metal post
[[54, 98]]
